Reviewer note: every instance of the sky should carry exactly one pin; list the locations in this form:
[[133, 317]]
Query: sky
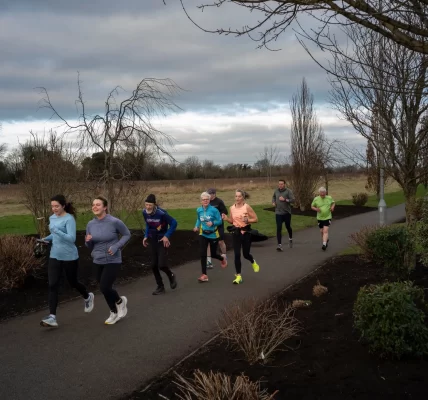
[[235, 98]]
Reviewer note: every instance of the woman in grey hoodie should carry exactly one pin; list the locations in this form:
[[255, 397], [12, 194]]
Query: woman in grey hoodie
[[102, 237]]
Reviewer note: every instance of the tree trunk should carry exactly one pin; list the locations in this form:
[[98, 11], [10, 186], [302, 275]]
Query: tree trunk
[[410, 203]]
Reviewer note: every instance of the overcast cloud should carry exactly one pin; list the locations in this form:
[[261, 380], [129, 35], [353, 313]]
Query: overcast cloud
[[236, 98]]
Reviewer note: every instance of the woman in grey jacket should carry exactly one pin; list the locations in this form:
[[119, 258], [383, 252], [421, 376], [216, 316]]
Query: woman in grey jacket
[[102, 237]]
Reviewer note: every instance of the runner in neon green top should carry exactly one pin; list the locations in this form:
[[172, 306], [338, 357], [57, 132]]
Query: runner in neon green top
[[324, 206]]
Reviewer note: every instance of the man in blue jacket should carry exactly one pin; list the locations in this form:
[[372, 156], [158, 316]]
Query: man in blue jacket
[[159, 228], [207, 222]]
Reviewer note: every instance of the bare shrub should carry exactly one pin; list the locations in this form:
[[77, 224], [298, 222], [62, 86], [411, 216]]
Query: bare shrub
[[360, 199], [319, 290], [218, 386], [301, 303], [16, 260], [360, 239], [258, 329]]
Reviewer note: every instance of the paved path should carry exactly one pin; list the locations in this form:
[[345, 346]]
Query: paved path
[[84, 359]]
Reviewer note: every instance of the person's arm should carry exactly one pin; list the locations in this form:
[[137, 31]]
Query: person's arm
[[274, 198], [333, 204], [291, 198], [229, 217], [70, 234], [198, 222], [252, 216], [146, 231], [48, 238], [88, 243], [217, 218], [314, 207], [172, 222], [122, 229], [222, 208]]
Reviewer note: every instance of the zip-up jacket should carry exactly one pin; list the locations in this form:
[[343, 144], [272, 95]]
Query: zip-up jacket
[[157, 224], [283, 207], [209, 214]]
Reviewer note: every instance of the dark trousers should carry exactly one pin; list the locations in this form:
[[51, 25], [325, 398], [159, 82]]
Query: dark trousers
[[55, 268], [160, 261], [283, 219], [106, 275], [213, 243], [242, 241]]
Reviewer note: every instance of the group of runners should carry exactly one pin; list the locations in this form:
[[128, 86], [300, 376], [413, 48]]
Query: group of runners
[[106, 236]]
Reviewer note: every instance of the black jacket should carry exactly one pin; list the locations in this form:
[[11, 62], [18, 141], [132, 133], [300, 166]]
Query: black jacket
[[219, 204]]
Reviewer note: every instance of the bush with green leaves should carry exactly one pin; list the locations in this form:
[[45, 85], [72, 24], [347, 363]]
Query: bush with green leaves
[[391, 318], [391, 246], [360, 199]]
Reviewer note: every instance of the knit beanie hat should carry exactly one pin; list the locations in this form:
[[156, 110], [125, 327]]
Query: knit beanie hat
[[151, 199]]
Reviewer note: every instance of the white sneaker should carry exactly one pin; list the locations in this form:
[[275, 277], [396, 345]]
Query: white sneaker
[[122, 310], [89, 303], [112, 319]]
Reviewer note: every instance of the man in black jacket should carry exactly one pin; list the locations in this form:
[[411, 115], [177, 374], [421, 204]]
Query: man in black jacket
[[219, 204]]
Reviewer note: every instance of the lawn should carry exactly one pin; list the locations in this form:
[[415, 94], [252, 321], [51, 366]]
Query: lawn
[[24, 225]]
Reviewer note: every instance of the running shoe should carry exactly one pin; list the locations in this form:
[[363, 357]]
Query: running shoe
[[159, 290], [324, 247], [279, 247], [290, 243], [122, 309], [238, 280], [173, 281], [203, 278], [89, 303], [112, 319], [255, 266], [224, 262], [210, 265], [49, 322]]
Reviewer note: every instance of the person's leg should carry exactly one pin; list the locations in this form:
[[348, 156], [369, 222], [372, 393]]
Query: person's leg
[[278, 220], [107, 276], [237, 252], [203, 245], [154, 245], [287, 220], [209, 260], [163, 265], [213, 243], [221, 242], [71, 268], [246, 247], [54, 277]]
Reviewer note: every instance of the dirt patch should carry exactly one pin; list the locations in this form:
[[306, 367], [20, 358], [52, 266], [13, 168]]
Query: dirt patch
[[136, 263], [326, 361], [340, 211]]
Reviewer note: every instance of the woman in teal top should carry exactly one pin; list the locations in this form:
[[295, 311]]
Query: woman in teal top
[[63, 256]]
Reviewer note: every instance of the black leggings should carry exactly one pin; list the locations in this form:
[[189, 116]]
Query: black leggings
[[159, 261], [280, 219], [106, 275], [55, 268], [204, 242], [244, 241]]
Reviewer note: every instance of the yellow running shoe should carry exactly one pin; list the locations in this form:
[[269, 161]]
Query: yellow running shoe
[[256, 266], [238, 280]]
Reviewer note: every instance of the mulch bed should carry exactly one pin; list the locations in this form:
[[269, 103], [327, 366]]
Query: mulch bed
[[326, 361], [340, 211]]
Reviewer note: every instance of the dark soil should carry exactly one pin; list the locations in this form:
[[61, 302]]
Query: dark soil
[[136, 263], [340, 211], [326, 361]]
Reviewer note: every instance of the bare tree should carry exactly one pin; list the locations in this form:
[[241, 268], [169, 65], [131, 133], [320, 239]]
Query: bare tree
[[49, 168], [276, 16], [390, 120], [122, 125], [268, 159], [307, 146]]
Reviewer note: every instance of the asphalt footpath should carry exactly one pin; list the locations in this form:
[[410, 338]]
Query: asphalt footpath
[[85, 359]]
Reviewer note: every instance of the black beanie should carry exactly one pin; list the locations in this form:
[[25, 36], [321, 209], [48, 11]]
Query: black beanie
[[151, 199]]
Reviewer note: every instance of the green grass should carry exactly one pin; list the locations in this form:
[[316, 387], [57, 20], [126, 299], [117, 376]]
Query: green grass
[[351, 250], [391, 199], [24, 225]]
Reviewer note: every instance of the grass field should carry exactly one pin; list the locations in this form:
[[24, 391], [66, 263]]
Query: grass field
[[23, 223]]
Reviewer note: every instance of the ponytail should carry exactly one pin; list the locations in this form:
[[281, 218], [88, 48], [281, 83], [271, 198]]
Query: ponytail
[[69, 208]]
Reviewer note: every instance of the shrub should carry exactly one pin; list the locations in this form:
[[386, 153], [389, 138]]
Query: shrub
[[391, 246], [258, 329], [360, 239], [390, 318], [16, 260], [419, 206], [422, 235], [301, 303], [318, 290], [360, 199], [220, 387]]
